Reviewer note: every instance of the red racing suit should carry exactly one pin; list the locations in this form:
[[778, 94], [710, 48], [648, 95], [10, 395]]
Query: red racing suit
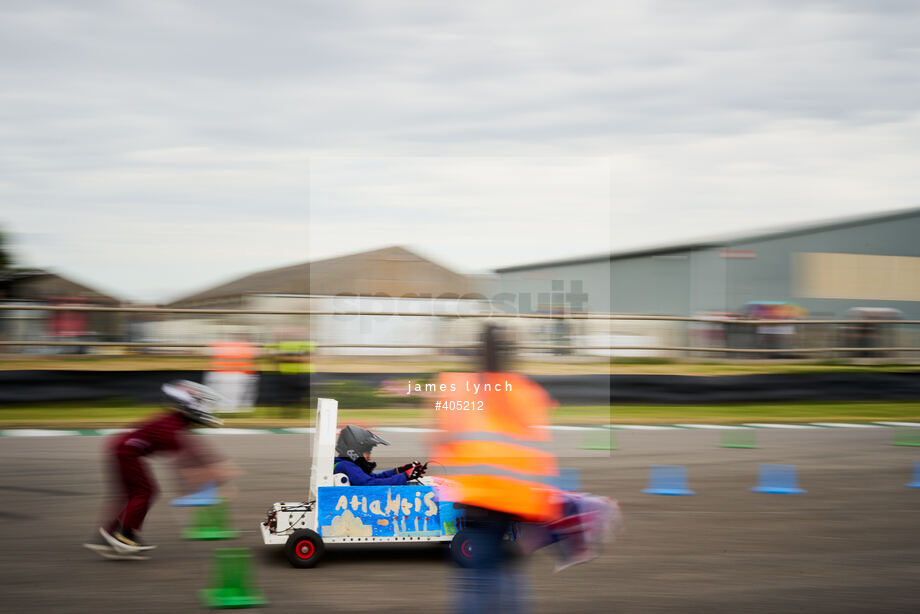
[[130, 476]]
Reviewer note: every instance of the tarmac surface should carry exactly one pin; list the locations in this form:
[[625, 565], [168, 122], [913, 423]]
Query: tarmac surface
[[850, 544]]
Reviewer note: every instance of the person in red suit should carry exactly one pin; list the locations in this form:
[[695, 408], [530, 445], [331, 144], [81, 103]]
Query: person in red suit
[[190, 406]]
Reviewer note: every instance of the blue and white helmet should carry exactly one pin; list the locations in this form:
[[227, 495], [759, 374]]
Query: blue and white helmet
[[195, 401]]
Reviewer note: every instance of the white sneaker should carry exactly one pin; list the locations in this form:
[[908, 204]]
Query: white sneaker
[[123, 544]]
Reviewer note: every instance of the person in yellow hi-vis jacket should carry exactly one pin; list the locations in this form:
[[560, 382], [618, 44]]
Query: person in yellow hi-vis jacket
[[293, 360], [490, 453]]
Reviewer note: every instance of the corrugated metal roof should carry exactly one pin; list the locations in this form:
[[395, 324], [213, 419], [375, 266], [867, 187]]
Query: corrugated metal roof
[[723, 241]]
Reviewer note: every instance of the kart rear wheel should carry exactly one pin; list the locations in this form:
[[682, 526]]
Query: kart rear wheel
[[461, 549], [304, 548]]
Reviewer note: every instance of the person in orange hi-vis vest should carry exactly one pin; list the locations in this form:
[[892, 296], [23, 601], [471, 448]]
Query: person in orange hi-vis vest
[[491, 456], [233, 356], [234, 374]]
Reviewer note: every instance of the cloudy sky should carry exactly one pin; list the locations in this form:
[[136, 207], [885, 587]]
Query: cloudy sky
[[154, 148]]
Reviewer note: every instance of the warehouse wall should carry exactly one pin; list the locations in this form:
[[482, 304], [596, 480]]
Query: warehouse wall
[[658, 284], [582, 287], [708, 292], [772, 274]]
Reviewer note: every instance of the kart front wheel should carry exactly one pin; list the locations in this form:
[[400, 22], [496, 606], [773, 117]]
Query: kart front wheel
[[304, 548]]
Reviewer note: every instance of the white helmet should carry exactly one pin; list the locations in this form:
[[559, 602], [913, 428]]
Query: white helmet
[[195, 401]]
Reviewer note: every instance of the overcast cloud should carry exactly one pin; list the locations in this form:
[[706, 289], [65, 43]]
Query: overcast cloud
[[153, 149]]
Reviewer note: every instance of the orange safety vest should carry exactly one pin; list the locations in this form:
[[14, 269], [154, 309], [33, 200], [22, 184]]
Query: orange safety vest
[[490, 456], [233, 357]]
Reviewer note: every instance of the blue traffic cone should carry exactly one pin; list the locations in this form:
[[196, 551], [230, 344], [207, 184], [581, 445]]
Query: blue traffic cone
[[916, 482], [668, 480], [778, 480], [207, 495]]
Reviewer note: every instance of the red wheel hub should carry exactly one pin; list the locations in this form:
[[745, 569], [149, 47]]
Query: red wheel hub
[[466, 549], [304, 549]]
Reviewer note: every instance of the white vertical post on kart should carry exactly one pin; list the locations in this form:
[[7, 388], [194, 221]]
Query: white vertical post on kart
[[323, 445]]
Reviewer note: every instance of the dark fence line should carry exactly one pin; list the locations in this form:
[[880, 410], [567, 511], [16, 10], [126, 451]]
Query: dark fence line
[[764, 388], [143, 387]]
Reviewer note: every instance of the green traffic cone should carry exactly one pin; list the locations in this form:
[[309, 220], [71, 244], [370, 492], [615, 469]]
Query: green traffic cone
[[740, 438], [909, 436], [233, 583], [210, 522], [599, 439]]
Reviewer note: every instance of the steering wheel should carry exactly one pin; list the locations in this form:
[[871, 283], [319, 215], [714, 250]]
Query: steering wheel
[[423, 469]]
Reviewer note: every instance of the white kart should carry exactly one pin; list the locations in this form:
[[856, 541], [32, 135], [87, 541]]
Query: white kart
[[336, 512]]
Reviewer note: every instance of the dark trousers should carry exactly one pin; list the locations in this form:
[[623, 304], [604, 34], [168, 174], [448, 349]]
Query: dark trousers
[[135, 491], [294, 389], [494, 582]]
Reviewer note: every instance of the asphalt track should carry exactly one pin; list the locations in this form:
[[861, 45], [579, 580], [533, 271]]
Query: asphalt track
[[851, 544]]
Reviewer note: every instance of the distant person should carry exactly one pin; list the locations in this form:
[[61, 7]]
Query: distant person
[[353, 458], [293, 360], [191, 406], [560, 334], [234, 375]]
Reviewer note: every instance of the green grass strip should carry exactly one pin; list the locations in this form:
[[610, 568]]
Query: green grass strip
[[87, 416]]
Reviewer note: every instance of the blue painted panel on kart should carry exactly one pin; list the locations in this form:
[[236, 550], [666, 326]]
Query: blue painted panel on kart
[[377, 511], [451, 517]]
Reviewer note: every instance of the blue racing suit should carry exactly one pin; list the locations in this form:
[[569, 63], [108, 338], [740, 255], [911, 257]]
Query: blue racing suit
[[357, 477]]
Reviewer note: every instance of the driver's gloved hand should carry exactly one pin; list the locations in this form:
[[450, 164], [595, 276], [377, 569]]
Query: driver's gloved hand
[[418, 471], [407, 467]]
